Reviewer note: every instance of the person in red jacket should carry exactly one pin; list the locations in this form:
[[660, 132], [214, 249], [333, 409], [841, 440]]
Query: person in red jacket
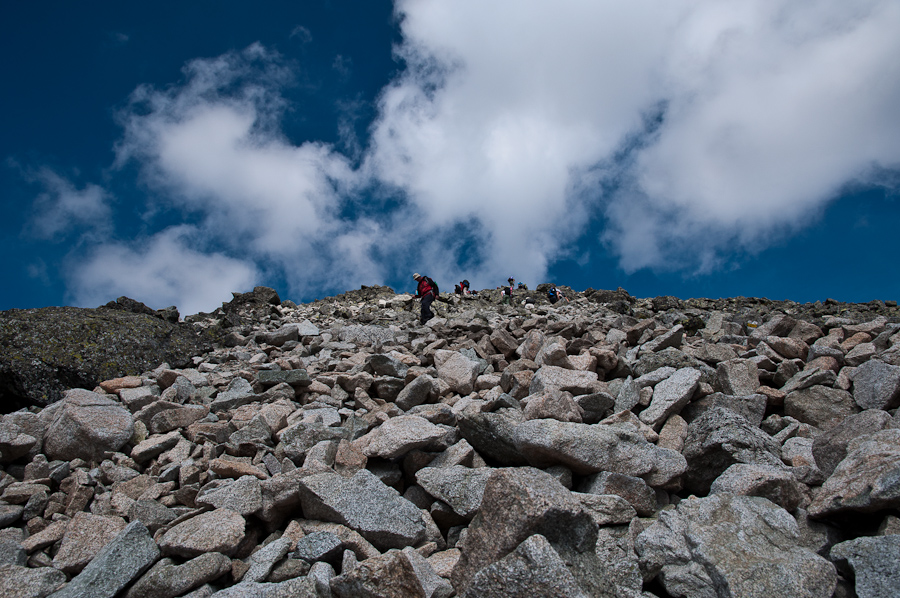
[[425, 291]]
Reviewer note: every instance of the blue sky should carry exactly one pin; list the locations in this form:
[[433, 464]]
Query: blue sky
[[175, 152]]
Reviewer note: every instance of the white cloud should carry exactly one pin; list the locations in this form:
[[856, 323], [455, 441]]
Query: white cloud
[[770, 108], [62, 209], [167, 269], [691, 128]]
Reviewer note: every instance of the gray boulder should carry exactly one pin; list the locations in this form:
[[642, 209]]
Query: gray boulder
[[830, 448], [550, 377], [868, 479], [876, 385], [875, 562], [493, 435], [27, 582], [752, 407], [84, 425], [399, 435], [534, 568], [717, 440], [120, 562], [670, 396], [633, 489], [215, 531], [696, 550], [243, 496], [517, 504], [774, 483], [167, 579], [365, 504], [737, 377], [457, 370], [390, 574], [415, 393], [587, 449], [460, 487], [819, 406]]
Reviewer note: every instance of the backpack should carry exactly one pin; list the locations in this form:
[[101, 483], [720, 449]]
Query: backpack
[[434, 286], [551, 294]]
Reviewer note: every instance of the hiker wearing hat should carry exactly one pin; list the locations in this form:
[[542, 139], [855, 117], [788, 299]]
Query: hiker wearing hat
[[425, 291]]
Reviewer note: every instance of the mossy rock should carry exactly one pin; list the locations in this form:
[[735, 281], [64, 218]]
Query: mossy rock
[[44, 352]]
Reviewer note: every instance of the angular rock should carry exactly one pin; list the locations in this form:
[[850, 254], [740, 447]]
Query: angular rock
[[167, 579], [319, 546], [85, 536], [551, 377], [120, 562], [868, 479], [517, 504], [738, 377], [460, 487], [819, 406], [875, 562], [239, 392], [670, 396], [16, 581], [84, 425], [493, 435], [876, 385], [89, 346], [243, 496], [534, 568], [717, 440], [696, 551], [295, 378], [215, 531], [752, 407], [553, 404], [607, 509], [415, 393], [633, 489], [830, 448], [457, 370], [263, 560], [365, 504], [775, 484], [587, 449], [808, 378], [390, 575], [399, 435]]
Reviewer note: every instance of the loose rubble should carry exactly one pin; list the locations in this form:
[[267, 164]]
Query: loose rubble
[[610, 446]]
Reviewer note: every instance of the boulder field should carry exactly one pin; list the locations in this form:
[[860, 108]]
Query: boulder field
[[607, 446]]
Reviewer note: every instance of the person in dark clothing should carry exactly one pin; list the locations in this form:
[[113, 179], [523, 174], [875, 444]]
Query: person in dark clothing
[[555, 295], [425, 292]]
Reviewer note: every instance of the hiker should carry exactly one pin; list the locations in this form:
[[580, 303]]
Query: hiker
[[523, 286], [555, 295], [506, 292], [427, 291], [463, 288]]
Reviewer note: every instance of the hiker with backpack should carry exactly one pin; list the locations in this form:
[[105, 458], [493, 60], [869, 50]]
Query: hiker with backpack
[[555, 295], [463, 288], [506, 292], [427, 291]]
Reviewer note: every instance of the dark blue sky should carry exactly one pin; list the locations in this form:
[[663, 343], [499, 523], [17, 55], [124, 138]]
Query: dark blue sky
[[175, 152]]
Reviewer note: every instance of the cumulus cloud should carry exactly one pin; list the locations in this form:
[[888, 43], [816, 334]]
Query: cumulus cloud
[[716, 125], [688, 129], [170, 268], [215, 147], [63, 210]]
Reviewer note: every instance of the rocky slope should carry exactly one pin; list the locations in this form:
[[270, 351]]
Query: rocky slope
[[609, 446]]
